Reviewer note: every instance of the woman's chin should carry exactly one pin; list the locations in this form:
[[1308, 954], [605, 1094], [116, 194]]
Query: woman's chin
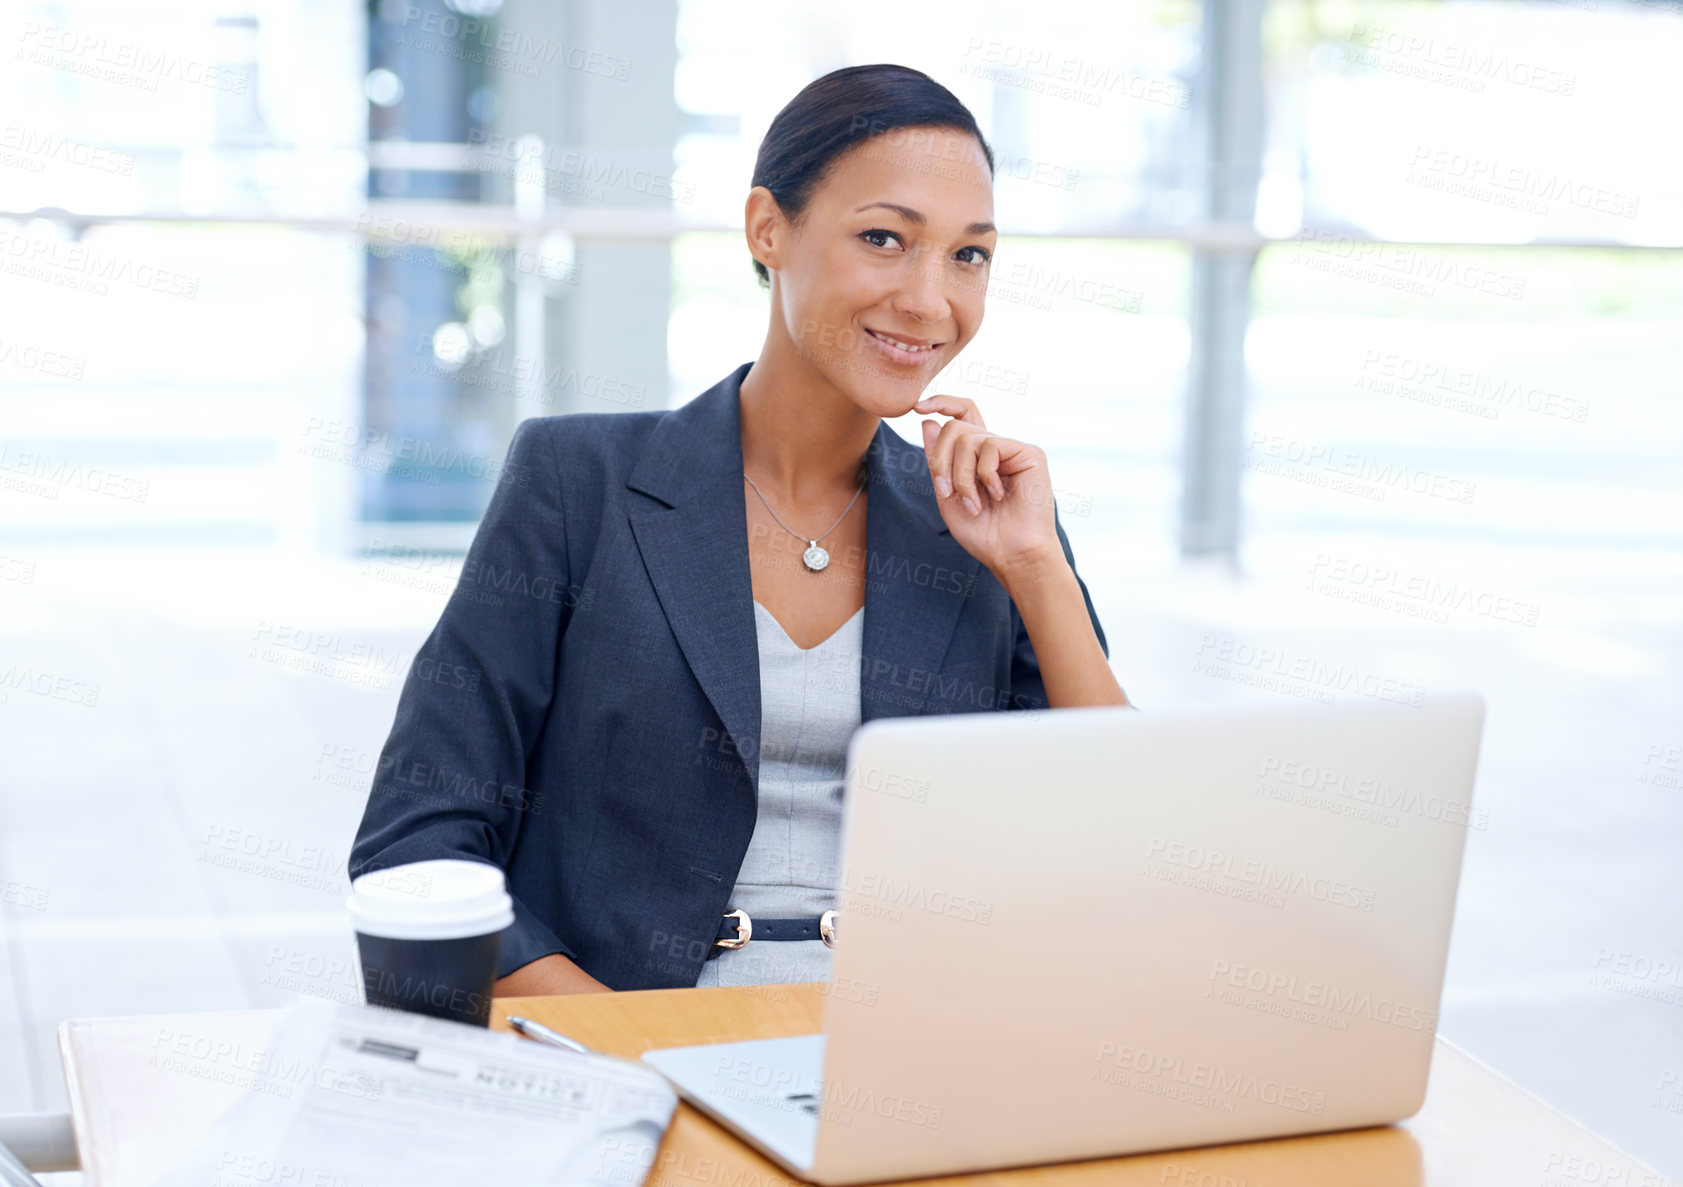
[[889, 398]]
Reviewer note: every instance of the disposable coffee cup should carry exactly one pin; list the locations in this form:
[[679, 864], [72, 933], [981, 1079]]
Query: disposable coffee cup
[[429, 934]]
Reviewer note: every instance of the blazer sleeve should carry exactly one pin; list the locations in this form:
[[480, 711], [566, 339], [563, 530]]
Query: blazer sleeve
[[1028, 688], [452, 777]]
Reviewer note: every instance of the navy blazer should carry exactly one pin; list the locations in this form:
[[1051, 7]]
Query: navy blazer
[[586, 712]]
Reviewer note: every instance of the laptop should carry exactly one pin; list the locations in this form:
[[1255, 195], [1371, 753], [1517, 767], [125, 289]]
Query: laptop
[[1081, 933]]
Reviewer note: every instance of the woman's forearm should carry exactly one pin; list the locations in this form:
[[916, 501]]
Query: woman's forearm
[[1073, 666], [547, 976]]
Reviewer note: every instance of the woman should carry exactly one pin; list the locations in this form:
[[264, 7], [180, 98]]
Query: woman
[[638, 699]]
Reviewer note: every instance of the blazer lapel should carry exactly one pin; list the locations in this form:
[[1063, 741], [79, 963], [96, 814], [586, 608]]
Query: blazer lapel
[[917, 579], [695, 549], [696, 554]]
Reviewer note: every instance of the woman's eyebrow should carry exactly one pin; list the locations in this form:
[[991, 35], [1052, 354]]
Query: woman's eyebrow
[[916, 217]]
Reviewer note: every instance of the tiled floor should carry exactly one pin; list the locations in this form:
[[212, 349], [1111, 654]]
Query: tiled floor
[[189, 830]]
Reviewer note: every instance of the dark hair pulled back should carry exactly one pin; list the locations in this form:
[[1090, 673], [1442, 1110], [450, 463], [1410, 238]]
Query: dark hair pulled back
[[845, 108]]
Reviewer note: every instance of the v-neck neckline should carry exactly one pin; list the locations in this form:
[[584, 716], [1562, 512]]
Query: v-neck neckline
[[822, 642]]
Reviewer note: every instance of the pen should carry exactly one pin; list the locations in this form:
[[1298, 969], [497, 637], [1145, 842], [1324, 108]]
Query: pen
[[542, 1033]]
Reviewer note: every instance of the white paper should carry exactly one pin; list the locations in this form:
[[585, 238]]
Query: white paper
[[357, 1096]]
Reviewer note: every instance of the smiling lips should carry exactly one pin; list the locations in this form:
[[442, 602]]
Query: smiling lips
[[909, 351]]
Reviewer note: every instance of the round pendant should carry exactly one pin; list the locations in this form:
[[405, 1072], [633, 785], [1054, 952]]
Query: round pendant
[[815, 558]]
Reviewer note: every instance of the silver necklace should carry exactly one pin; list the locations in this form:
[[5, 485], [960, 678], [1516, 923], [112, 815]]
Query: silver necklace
[[814, 558]]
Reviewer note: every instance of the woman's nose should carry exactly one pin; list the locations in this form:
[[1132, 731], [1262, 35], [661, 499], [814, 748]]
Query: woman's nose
[[923, 294]]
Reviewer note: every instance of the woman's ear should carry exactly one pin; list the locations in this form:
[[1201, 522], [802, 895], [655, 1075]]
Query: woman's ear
[[763, 226]]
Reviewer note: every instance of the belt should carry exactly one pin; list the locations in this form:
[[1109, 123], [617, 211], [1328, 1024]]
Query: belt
[[736, 928]]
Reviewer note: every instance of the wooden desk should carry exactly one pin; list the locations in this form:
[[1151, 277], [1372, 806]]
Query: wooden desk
[[1477, 1129], [134, 1117]]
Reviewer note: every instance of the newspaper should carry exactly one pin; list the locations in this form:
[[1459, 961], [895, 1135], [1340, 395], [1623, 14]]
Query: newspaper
[[360, 1096]]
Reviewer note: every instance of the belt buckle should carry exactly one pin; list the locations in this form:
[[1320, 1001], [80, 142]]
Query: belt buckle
[[744, 930], [827, 928]]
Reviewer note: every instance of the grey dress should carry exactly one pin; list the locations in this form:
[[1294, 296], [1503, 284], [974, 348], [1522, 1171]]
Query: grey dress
[[809, 708]]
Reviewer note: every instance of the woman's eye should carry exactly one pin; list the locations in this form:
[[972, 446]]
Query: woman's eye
[[878, 237]]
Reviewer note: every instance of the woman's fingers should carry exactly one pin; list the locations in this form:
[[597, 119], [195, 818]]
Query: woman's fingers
[[958, 407], [964, 471], [964, 458], [932, 438], [939, 446], [987, 466]]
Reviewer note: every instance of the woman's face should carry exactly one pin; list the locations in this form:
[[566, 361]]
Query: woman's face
[[882, 282]]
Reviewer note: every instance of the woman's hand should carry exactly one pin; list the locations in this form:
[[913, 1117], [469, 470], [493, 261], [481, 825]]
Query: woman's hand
[[1012, 531], [995, 494], [546, 976]]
